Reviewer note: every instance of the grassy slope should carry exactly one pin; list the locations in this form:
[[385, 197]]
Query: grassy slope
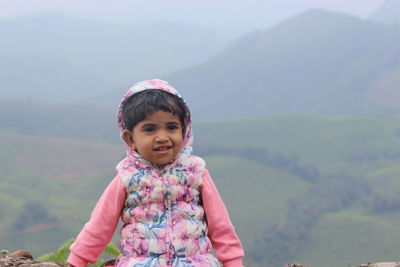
[[70, 195], [318, 140], [333, 144], [355, 144], [65, 175], [350, 236], [386, 179], [265, 204]]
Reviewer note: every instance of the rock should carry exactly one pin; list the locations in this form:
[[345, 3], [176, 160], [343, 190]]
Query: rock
[[22, 258], [381, 264], [40, 264], [294, 265], [22, 254]]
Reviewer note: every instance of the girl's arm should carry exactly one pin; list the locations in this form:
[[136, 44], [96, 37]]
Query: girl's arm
[[98, 232], [220, 229]]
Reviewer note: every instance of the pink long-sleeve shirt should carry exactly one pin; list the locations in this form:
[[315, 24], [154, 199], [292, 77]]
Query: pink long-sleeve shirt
[[98, 232]]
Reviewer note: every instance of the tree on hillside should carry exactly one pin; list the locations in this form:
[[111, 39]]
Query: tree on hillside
[[32, 213]]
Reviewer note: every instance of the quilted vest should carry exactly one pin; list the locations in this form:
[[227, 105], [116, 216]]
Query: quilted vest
[[164, 221]]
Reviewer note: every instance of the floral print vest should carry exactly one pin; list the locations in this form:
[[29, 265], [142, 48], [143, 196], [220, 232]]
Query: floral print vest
[[164, 221]]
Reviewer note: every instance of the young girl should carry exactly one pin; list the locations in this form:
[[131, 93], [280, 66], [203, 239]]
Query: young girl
[[171, 209]]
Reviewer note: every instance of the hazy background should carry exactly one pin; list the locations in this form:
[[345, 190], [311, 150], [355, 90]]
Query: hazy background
[[295, 105], [236, 15]]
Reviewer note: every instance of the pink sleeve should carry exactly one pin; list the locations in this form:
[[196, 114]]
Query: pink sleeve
[[220, 229], [98, 232]]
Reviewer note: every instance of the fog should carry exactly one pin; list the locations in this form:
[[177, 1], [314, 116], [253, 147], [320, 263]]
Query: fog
[[233, 17]]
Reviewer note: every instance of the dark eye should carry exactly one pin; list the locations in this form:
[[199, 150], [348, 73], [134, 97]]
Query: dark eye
[[149, 129], [172, 127]]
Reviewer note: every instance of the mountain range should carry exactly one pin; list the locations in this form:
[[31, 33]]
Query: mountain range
[[54, 58], [315, 62], [388, 12]]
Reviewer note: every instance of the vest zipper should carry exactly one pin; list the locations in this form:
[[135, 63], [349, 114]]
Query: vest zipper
[[168, 207]]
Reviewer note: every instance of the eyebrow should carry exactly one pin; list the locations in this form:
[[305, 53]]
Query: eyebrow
[[148, 125], [155, 125], [172, 123]]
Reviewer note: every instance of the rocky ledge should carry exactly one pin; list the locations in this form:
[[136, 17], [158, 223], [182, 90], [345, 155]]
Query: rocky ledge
[[22, 258]]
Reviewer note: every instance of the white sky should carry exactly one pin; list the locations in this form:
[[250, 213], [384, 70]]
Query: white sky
[[239, 14]]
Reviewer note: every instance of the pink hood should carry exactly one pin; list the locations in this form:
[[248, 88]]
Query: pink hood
[[164, 86]]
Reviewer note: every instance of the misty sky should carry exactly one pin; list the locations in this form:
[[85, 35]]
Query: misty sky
[[234, 15]]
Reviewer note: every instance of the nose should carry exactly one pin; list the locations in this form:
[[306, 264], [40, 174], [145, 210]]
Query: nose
[[162, 137]]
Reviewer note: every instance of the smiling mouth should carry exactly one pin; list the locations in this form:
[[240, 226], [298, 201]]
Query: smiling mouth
[[164, 148]]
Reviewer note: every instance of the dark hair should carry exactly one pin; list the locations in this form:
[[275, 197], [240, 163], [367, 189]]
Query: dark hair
[[138, 106]]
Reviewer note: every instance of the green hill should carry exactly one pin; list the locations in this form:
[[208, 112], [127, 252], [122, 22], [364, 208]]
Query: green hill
[[316, 62], [66, 176], [315, 139], [48, 186], [313, 189], [351, 237], [55, 120]]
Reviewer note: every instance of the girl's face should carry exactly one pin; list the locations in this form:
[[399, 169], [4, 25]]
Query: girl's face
[[158, 138]]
